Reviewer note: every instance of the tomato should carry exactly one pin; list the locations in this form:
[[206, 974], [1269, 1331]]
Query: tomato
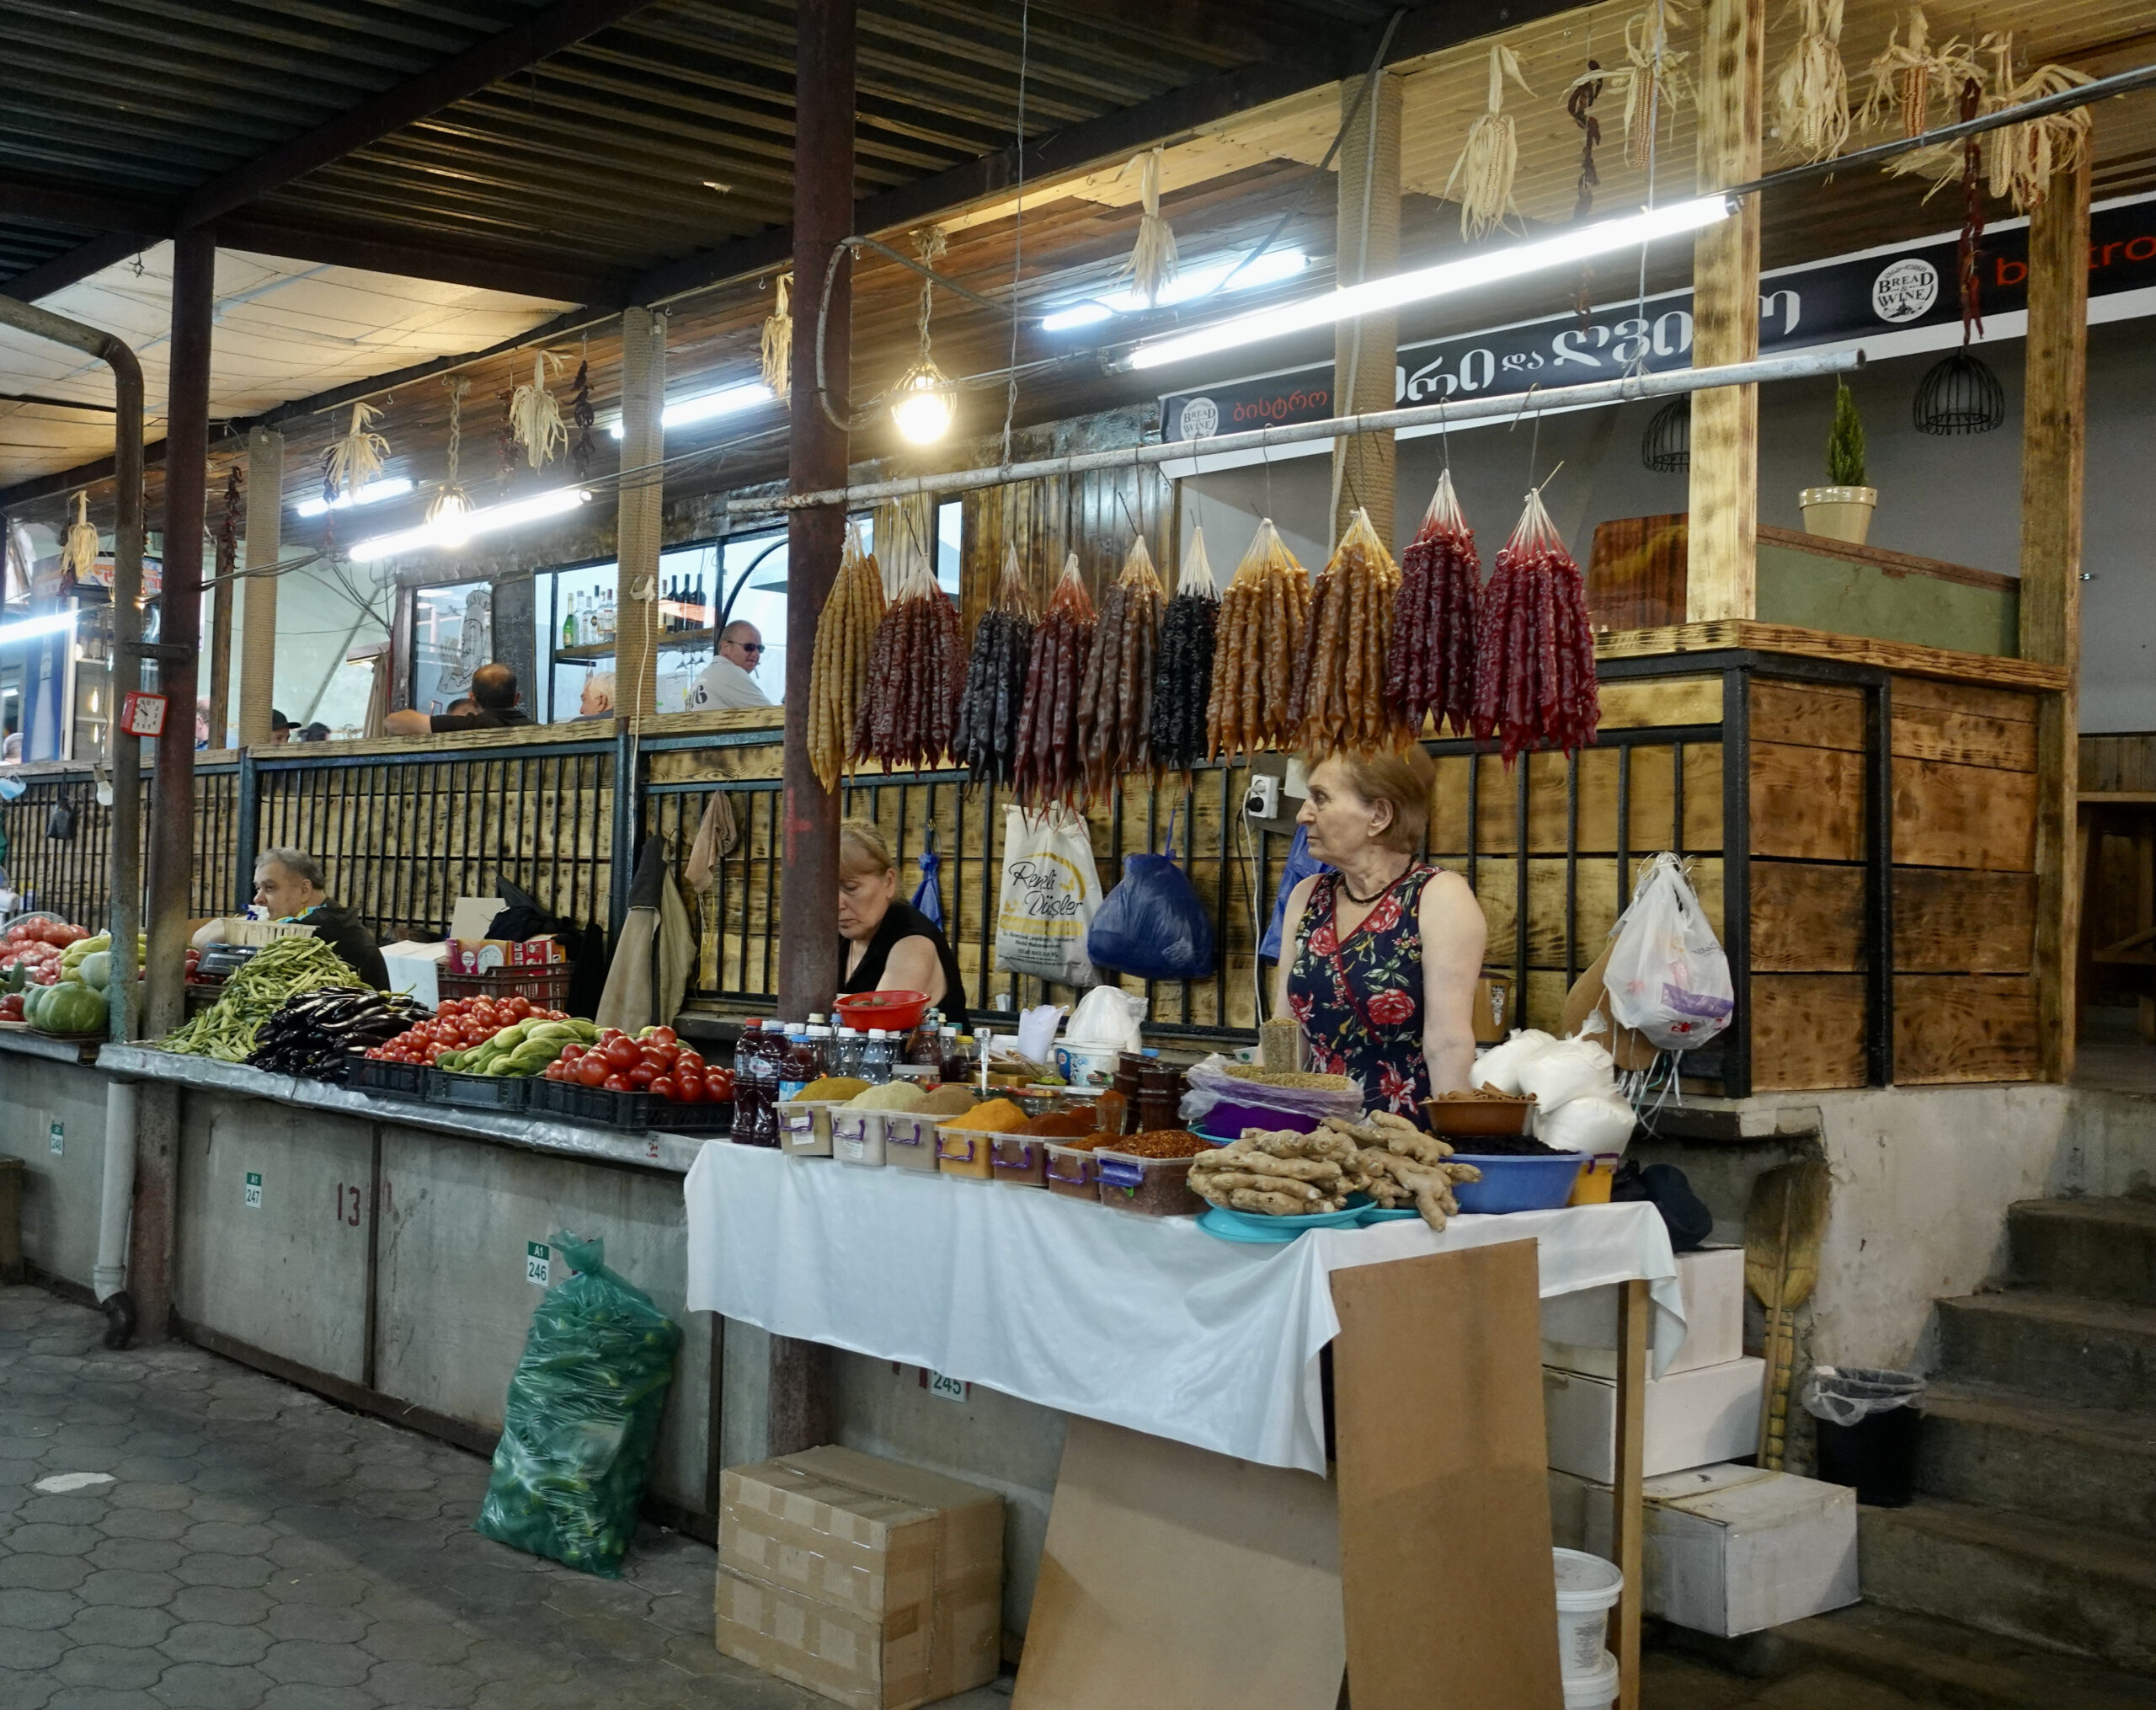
[[607, 1035], [658, 1036], [643, 1076], [664, 1087], [689, 1089], [516, 1009], [720, 1077], [570, 1054], [689, 1063], [617, 1083], [718, 1091], [591, 1071], [621, 1052], [665, 1056]]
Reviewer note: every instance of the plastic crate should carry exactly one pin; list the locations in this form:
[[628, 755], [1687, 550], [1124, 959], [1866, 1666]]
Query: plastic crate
[[633, 1111], [478, 1092], [388, 1080], [546, 987]]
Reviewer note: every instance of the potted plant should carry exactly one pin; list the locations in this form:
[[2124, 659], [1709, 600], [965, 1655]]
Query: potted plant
[[1842, 510]]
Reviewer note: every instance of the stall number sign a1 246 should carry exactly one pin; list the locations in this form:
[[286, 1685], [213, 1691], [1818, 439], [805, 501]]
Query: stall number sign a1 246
[[538, 1263]]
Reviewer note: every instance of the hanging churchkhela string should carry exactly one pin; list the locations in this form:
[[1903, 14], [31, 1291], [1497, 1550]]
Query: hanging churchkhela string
[[1430, 672], [1338, 700], [1534, 652], [1050, 767], [1182, 675], [994, 694], [1115, 708]]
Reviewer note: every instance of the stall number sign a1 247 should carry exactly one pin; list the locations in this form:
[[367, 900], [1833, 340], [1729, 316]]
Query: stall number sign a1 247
[[251, 1198]]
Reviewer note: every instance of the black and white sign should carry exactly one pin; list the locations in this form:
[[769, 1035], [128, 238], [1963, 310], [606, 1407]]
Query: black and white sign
[[1875, 298]]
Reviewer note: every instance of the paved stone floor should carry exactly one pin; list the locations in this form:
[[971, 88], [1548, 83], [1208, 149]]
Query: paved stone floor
[[250, 1547]]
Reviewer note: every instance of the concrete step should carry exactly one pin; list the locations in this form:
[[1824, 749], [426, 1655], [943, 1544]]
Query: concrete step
[[2043, 1583], [2065, 1347], [2104, 1249], [1942, 1662], [2003, 1449]]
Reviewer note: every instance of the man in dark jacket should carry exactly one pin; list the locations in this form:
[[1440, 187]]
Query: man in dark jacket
[[290, 884]]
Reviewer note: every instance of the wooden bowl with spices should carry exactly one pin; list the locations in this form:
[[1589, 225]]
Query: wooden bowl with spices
[[1485, 1112]]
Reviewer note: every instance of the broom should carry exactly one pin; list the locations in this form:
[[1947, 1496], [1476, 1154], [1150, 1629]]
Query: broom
[[1782, 1230]]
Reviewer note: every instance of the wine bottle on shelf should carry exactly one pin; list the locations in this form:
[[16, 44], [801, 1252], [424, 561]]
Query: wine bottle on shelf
[[568, 623]]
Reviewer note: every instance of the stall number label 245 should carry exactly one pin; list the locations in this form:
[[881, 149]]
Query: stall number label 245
[[57, 1138], [538, 1263], [252, 1197], [946, 1388]]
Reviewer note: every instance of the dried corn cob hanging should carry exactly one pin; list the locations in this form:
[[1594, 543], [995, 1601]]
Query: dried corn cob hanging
[[917, 666], [1152, 263], [1534, 685], [2022, 157], [1487, 165], [535, 415], [1115, 708], [1338, 700], [1049, 769], [353, 458], [1263, 617], [1430, 672], [1182, 676], [775, 350], [987, 741], [1812, 94], [838, 675], [78, 551], [1654, 75], [1907, 75]]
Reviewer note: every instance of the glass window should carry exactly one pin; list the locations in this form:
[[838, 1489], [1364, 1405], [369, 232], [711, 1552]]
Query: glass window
[[452, 636], [950, 521]]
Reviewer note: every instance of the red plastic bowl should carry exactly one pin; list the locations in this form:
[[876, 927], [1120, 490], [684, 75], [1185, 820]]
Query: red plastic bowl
[[899, 1012]]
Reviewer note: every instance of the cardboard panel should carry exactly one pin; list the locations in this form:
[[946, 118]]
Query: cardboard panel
[[1445, 1500], [1175, 1576]]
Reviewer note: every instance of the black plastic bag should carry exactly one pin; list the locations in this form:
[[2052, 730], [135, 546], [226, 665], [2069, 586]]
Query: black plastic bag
[[581, 1415]]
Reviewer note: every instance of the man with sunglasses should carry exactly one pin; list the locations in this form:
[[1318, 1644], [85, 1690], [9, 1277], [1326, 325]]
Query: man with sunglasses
[[729, 682]]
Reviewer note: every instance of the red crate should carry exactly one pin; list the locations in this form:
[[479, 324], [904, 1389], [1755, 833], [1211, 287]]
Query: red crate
[[545, 988]]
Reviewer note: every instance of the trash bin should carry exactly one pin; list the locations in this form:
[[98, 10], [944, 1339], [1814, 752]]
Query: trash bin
[[1868, 1420]]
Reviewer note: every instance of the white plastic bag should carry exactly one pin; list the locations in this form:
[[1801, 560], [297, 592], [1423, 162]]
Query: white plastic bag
[[1599, 1123], [1668, 977], [1107, 1018], [1498, 1068], [1564, 1071], [1051, 892]]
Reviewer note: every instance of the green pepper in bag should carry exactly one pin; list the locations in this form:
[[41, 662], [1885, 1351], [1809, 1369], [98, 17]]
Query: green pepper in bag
[[583, 1414]]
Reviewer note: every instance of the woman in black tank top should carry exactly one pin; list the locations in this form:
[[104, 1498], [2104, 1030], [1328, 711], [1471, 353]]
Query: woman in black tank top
[[885, 944]]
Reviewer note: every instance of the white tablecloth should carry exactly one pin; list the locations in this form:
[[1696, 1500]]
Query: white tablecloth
[[1143, 1322]]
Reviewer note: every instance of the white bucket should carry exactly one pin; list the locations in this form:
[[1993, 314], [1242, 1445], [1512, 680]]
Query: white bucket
[[1586, 1589], [1593, 1692]]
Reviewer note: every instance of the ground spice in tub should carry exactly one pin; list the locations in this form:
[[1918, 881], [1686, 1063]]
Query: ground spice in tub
[[831, 1089], [962, 1144], [910, 1135], [804, 1128], [1070, 1168], [1149, 1172]]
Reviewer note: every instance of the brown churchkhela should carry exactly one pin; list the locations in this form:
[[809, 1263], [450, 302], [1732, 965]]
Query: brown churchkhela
[[1257, 642], [839, 674], [994, 693], [1338, 699], [1115, 712], [1051, 765], [917, 666]]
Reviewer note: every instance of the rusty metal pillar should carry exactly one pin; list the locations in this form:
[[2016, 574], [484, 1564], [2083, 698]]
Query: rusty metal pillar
[[800, 1374], [171, 837]]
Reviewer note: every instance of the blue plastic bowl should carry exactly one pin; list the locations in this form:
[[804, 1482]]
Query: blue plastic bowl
[[1541, 1183]]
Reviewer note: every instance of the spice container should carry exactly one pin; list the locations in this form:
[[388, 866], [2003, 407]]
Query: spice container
[[965, 1152], [908, 1141], [804, 1127], [1159, 1097], [857, 1135], [1153, 1187], [1071, 1170], [1018, 1160]]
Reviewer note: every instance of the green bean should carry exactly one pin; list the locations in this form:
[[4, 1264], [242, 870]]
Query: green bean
[[226, 1030]]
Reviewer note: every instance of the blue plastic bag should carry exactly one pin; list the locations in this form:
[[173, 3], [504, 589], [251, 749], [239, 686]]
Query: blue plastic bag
[[1300, 866], [928, 895], [1152, 925]]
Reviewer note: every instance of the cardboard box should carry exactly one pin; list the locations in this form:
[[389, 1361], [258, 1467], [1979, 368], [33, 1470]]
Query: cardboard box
[[1693, 1418], [1493, 1008], [1728, 1550], [1579, 1331], [536, 953], [874, 1583]]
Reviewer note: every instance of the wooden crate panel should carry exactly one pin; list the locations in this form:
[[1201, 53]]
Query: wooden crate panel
[[1967, 726], [1812, 715], [1952, 921], [1958, 1028], [1948, 815], [1807, 1031], [1653, 804], [2120, 760], [1807, 918], [1807, 803], [1659, 701]]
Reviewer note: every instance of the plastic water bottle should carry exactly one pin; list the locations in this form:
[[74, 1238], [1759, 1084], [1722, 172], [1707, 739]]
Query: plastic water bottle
[[877, 1056], [847, 1058]]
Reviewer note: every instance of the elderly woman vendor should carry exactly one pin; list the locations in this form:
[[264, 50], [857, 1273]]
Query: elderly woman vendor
[[1384, 952], [886, 945]]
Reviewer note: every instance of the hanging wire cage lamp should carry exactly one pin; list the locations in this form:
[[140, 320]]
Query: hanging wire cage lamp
[[1666, 448], [1960, 395]]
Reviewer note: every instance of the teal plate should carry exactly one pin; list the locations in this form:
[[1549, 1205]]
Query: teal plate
[[1389, 1214], [1250, 1227]]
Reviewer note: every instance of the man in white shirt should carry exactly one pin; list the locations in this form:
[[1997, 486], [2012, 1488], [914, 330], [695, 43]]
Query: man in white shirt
[[729, 682]]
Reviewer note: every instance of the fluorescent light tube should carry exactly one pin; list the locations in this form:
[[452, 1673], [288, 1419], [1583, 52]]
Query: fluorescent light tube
[[1269, 269], [730, 401], [389, 487], [1487, 268], [30, 628], [476, 522]]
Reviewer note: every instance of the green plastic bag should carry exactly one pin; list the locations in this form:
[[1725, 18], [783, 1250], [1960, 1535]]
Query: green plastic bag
[[582, 1415]]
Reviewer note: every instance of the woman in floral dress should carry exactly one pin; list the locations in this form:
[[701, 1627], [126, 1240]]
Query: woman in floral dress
[[1383, 952]]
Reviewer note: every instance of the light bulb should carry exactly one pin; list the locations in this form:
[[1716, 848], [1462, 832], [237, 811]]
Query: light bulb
[[449, 516], [923, 411]]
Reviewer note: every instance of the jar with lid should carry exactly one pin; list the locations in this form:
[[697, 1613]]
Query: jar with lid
[[958, 1060], [922, 1046], [1159, 1097]]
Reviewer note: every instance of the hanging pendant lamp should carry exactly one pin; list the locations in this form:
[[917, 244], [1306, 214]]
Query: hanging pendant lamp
[[1666, 448], [1960, 395]]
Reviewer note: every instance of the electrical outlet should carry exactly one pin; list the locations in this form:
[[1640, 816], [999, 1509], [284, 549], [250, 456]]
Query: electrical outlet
[[1261, 800]]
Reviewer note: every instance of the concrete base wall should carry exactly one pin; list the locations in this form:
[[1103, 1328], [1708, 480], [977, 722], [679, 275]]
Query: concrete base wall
[[61, 1190]]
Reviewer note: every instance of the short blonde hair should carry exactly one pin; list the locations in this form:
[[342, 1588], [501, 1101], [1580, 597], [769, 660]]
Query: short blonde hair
[[1407, 778], [861, 848]]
